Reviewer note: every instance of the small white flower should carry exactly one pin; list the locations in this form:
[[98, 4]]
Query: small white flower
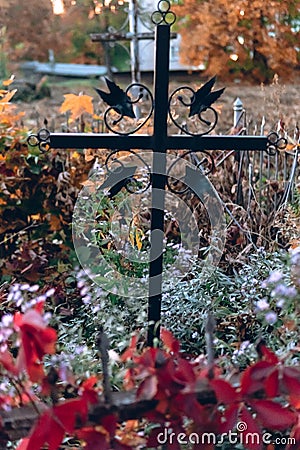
[[34, 288], [47, 317], [25, 287], [7, 320], [15, 287], [50, 292]]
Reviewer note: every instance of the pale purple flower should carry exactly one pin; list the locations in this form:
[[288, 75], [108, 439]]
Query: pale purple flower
[[271, 317], [87, 299], [262, 305], [275, 276], [284, 291], [280, 303], [84, 291], [80, 284]]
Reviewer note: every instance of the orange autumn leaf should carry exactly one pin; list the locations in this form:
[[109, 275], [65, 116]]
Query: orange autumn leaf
[[77, 105], [8, 96], [9, 81]]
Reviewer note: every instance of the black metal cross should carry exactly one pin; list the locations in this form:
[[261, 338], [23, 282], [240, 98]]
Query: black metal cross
[[160, 141]]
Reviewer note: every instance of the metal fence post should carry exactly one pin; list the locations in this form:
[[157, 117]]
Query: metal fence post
[[238, 109]]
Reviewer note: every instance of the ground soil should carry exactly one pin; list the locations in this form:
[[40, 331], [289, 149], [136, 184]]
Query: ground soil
[[276, 101]]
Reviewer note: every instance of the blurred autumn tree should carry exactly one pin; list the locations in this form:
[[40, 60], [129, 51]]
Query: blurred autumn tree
[[250, 37], [29, 28], [32, 29]]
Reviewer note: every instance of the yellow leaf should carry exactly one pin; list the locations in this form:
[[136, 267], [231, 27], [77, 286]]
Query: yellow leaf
[[77, 105], [9, 81], [75, 155], [131, 238], [96, 117], [138, 240], [35, 216]]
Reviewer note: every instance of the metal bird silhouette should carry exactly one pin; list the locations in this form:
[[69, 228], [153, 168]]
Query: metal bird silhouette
[[117, 99], [204, 97], [117, 179]]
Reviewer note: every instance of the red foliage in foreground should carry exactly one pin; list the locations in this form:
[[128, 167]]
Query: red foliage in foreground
[[266, 398]]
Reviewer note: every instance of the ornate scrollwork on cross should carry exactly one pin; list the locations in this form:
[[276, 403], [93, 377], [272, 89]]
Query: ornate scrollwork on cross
[[275, 143], [176, 181], [191, 110], [41, 140], [134, 105], [163, 15], [136, 179]]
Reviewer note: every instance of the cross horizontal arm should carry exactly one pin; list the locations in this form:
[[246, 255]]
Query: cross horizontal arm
[[147, 142], [119, 36]]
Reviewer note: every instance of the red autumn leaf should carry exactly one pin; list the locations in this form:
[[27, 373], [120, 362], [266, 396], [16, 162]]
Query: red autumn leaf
[[267, 354], [8, 363], [152, 359], [272, 415], [47, 430], [188, 406], [110, 424], [128, 354], [254, 377], [23, 444], [250, 430], [292, 386], [170, 343], [272, 384], [90, 382], [69, 411], [55, 422], [184, 372], [88, 392], [37, 339], [225, 393]]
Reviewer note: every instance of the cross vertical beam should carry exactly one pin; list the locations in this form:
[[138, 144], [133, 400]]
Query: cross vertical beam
[[159, 142], [161, 86]]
